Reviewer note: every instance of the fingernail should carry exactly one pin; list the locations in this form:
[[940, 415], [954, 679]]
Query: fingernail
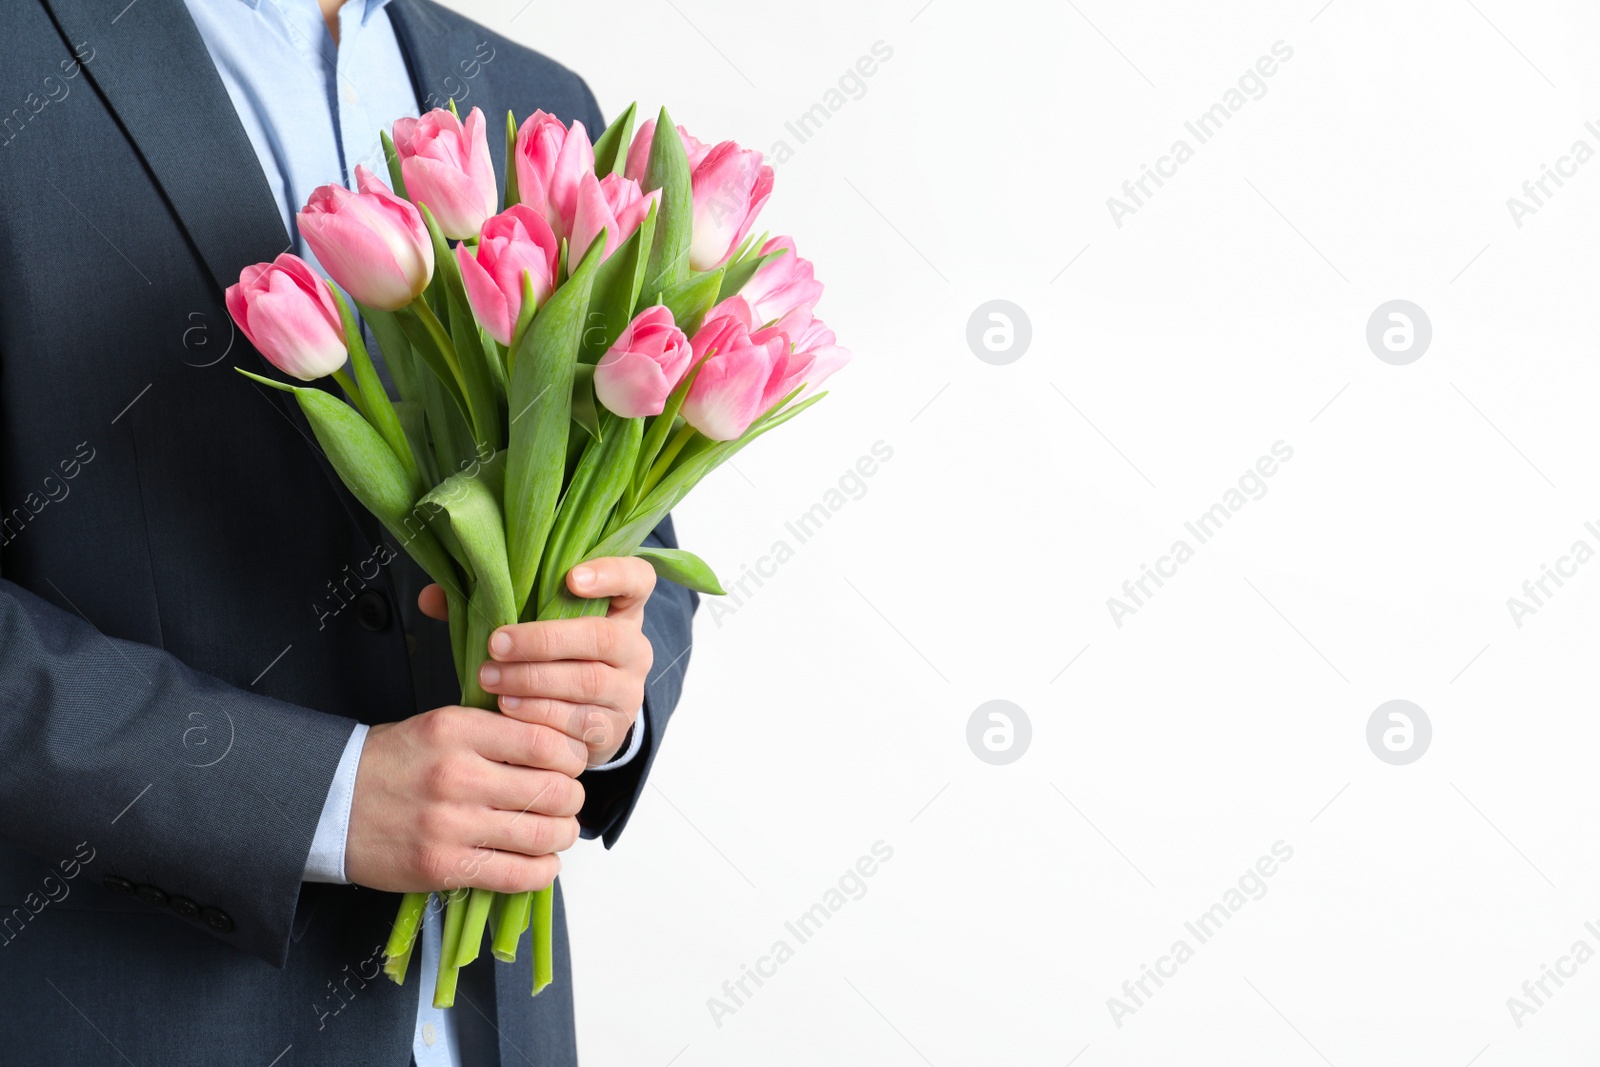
[[500, 643], [510, 703], [583, 577], [489, 675]]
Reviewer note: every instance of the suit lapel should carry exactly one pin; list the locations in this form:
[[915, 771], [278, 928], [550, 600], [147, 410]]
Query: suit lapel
[[153, 69]]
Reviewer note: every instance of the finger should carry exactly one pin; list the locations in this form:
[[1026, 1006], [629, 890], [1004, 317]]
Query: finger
[[518, 789], [596, 726], [433, 604], [529, 835], [557, 639], [505, 872], [627, 580], [582, 681], [505, 740]]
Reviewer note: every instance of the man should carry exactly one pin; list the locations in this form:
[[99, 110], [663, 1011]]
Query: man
[[219, 701]]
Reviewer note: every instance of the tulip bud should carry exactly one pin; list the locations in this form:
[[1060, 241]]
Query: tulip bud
[[516, 240], [372, 242], [446, 165], [635, 376], [286, 311], [551, 161]]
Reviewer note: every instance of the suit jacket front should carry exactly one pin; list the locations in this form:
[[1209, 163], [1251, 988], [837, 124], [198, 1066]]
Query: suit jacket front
[[193, 611]]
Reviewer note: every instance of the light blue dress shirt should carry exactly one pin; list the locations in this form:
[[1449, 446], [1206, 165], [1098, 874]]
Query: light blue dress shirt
[[312, 110]]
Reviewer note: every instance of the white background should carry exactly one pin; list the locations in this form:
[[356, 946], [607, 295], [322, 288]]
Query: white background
[[829, 710]]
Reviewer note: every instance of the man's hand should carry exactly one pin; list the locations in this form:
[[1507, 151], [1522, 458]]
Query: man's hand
[[463, 797], [582, 677]]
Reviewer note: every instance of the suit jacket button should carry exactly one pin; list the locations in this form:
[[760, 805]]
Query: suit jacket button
[[372, 610], [150, 895], [184, 906], [117, 885], [217, 919]]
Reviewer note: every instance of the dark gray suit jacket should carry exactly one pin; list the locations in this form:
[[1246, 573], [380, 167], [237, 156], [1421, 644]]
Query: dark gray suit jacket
[[193, 613]]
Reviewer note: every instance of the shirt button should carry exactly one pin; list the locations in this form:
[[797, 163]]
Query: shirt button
[[429, 1035], [350, 96], [372, 610]]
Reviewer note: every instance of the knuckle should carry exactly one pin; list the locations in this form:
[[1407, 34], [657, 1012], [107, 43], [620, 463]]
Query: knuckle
[[439, 779], [434, 864], [544, 870], [592, 678], [603, 635]]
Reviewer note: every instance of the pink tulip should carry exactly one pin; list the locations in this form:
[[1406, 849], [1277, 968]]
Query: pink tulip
[[809, 357], [446, 165], [729, 390], [372, 243], [730, 187], [613, 204], [286, 311], [635, 376], [782, 284], [516, 240], [551, 161]]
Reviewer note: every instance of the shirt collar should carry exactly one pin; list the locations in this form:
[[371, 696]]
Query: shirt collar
[[372, 6]]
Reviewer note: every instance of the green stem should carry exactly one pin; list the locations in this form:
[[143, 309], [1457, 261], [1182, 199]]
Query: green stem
[[471, 936], [543, 923], [455, 913], [403, 937], [515, 911], [348, 384], [441, 337], [664, 463]]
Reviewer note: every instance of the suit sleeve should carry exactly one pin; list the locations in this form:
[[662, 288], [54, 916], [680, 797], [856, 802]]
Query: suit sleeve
[[610, 795], [177, 781]]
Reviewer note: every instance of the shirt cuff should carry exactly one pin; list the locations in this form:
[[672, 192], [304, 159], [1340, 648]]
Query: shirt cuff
[[326, 862], [630, 749]]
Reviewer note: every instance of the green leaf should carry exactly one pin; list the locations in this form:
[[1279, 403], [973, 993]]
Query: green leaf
[[627, 532], [691, 298], [738, 273], [392, 156], [601, 476], [585, 412], [432, 345], [374, 397], [541, 410], [668, 170], [470, 504], [477, 378], [616, 288], [511, 160], [394, 348], [611, 150], [685, 568]]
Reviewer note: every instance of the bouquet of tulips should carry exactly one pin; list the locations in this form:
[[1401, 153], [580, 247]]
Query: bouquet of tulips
[[572, 354]]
